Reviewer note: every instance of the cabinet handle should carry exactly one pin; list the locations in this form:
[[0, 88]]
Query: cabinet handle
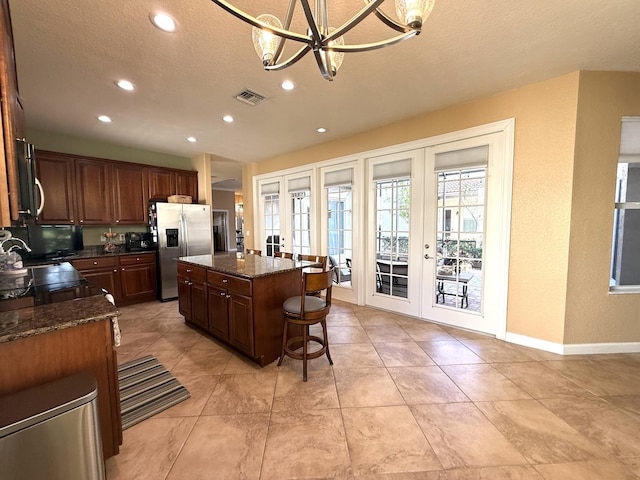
[[228, 296], [222, 294], [225, 280], [115, 270], [189, 270], [81, 221], [117, 221], [137, 259], [123, 269], [95, 263]]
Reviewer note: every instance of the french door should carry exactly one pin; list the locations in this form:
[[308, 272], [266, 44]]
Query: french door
[[438, 230], [287, 214]]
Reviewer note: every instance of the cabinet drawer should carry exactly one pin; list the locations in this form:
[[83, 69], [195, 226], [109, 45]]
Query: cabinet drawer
[[241, 286], [96, 262], [197, 274], [137, 259]]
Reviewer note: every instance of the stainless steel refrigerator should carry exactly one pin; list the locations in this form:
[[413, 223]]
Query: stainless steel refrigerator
[[178, 230]]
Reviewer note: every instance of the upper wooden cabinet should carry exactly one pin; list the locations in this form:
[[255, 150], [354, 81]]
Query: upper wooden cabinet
[[12, 125], [92, 191], [164, 182]]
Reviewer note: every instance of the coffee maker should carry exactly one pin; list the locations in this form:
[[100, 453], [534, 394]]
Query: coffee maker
[[137, 241]]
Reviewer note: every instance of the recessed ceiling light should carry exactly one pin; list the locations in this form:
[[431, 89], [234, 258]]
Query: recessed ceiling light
[[192, 139], [163, 21], [321, 130], [125, 85], [104, 118], [227, 118], [288, 85]]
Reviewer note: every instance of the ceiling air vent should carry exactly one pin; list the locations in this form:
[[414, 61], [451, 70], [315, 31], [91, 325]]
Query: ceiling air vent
[[250, 97]]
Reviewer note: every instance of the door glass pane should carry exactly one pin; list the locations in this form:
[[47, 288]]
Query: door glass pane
[[339, 233], [460, 238], [271, 223], [301, 222], [392, 237]]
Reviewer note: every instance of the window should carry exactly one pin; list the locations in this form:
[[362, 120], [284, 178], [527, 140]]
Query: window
[[625, 256]]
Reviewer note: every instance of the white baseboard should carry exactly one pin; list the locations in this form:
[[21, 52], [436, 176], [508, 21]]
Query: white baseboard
[[573, 348]]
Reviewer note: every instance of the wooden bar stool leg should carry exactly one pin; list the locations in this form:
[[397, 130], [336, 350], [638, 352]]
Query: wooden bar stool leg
[[326, 340], [305, 335], [284, 341]]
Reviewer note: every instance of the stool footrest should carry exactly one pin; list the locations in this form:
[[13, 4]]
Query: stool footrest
[[299, 339]]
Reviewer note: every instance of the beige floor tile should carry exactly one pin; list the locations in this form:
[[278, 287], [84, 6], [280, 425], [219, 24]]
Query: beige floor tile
[[126, 355], [386, 440], [355, 355], [205, 342], [449, 353], [403, 354], [342, 319], [496, 351], [628, 403], [200, 388], [149, 449], [474, 442], [317, 393], [598, 377], [202, 362], [387, 333], [540, 381], [306, 445], [426, 332], [138, 341], [168, 358], [632, 464], [484, 383], [603, 424], [242, 393], [347, 335], [419, 385], [239, 364], [176, 341], [431, 475], [537, 433], [591, 470], [366, 387], [223, 447], [492, 473]]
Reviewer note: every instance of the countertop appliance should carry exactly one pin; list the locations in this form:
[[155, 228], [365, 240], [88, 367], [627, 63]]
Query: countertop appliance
[[177, 230], [137, 241]]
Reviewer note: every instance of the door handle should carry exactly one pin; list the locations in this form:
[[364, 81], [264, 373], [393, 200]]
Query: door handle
[[426, 256]]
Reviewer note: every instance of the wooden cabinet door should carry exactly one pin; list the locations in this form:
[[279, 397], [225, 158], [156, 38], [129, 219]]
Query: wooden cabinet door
[[187, 184], [93, 192], [184, 297], [138, 282], [129, 194], [199, 310], [241, 323], [218, 313], [56, 173], [162, 183], [106, 278]]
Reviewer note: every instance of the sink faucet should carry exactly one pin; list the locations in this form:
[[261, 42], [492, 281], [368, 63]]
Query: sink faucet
[[15, 239]]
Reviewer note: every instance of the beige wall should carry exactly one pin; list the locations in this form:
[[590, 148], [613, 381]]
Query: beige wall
[[594, 315], [225, 200], [545, 116]]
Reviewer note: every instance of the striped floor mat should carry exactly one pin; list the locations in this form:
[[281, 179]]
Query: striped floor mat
[[147, 388]]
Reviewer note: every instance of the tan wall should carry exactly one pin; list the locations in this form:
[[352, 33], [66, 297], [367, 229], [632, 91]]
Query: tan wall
[[225, 200], [543, 169], [594, 315], [57, 142]]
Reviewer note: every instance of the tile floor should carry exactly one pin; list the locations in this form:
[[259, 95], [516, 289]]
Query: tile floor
[[404, 400]]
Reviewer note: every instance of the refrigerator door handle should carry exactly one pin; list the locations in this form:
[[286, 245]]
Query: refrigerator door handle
[[184, 234]]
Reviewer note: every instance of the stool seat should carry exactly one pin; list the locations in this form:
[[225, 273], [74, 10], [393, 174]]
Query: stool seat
[[306, 310]]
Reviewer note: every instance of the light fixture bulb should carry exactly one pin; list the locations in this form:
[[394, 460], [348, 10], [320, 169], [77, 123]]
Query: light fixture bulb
[[104, 119], [192, 139], [125, 85], [265, 42], [228, 118], [414, 12], [335, 58], [163, 21]]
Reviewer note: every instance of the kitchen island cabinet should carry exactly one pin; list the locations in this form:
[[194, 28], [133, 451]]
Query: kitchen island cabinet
[[192, 295], [245, 297]]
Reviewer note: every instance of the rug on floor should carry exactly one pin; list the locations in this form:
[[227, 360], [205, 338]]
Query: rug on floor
[[147, 388]]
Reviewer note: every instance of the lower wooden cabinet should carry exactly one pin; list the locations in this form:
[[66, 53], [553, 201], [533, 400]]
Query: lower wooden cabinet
[[129, 278], [192, 295], [245, 313]]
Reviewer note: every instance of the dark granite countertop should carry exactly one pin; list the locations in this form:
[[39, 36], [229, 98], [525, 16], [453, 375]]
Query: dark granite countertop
[[92, 251], [42, 299], [247, 266]]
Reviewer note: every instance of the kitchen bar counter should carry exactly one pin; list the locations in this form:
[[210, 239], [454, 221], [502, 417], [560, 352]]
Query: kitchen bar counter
[[246, 266]]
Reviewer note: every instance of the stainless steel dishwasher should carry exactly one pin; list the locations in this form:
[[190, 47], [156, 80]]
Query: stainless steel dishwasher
[[52, 431]]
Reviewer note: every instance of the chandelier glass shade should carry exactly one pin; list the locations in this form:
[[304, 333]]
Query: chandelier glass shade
[[326, 42]]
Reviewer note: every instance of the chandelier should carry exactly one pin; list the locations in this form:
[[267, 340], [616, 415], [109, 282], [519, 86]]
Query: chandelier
[[326, 43]]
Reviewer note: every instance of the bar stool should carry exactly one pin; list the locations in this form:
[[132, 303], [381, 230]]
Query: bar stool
[[320, 260], [253, 251], [283, 255], [306, 310]]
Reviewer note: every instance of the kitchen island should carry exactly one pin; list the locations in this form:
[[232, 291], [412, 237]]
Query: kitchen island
[[238, 299], [54, 323]]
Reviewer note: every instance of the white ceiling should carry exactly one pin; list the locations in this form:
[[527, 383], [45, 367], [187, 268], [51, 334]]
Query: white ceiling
[[70, 52]]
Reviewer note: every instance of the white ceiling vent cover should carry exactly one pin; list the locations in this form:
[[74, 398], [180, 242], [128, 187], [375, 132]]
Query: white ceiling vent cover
[[250, 97]]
